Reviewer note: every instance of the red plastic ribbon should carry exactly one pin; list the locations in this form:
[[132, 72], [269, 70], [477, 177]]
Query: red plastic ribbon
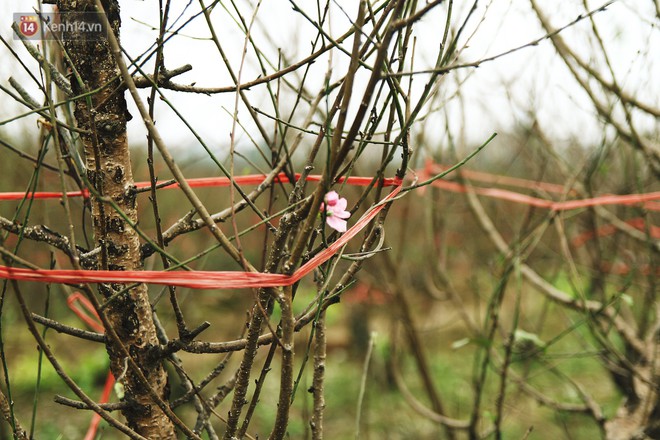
[[237, 280], [638, 223], [648, 200], [84, 309], [202, 182], [201, 279], [511, 196]]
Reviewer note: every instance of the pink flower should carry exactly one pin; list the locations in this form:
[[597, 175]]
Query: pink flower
[[335, 211]]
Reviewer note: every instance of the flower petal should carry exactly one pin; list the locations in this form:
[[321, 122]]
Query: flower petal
[[331, 198], [340, 205], [336, 223], [340, 214]]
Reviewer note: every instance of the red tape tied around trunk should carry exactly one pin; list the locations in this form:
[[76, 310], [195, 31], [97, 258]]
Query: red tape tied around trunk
[[209, 279]]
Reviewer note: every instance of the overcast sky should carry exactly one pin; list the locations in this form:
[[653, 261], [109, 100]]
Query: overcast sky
[[496, 97]]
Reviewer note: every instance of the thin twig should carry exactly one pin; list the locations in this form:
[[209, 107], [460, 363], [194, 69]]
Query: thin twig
[[549, 35], [363, 383], [69, 330]]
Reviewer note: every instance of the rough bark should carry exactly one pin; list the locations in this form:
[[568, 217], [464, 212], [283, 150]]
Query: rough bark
[[108, 165]]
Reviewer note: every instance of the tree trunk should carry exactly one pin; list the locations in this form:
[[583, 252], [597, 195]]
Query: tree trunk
[[109, 170]]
